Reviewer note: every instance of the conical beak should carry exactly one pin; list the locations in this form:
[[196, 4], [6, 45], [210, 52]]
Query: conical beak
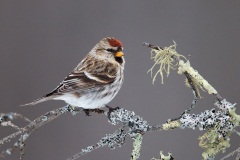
[[119, 54]]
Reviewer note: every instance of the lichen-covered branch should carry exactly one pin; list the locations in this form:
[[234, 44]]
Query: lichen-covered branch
[[168, 58], [135, 126], [197, 79], [218, 123], [25, 132], [137, 144], [160, 55], [7, 119], [163, 157], [110, 140]]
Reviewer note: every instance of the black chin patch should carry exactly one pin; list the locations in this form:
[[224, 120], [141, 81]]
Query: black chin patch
[[119, 60]]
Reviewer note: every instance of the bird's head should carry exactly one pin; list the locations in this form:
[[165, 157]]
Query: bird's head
[[109, 48]]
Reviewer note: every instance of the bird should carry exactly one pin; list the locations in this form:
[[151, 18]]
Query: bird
[[95, 81]]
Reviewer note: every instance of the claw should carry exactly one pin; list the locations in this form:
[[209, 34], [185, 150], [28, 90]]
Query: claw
[[87, 112], [110, 110]]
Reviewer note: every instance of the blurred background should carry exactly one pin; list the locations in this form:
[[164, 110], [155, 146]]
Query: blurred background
[[42, 41]]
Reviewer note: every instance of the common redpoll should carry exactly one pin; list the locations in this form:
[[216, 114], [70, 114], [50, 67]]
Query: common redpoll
[[95, 81]]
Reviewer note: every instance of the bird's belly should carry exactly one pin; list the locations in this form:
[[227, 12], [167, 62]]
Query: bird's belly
[[88, 101], [96, 98]]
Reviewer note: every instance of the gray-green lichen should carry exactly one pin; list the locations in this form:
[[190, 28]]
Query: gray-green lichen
[[136, 146], [171, 125], [197, 79], [163, 157], [212, 143], [219, 126]]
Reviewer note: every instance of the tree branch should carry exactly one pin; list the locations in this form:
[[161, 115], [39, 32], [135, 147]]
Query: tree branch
[[218, 123]]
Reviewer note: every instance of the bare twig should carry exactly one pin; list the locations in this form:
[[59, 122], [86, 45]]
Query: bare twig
[[11, 116], [237, 151], [26, 131]]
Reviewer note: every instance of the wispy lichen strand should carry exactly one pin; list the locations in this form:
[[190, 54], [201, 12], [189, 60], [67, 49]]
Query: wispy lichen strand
[[165, 58]]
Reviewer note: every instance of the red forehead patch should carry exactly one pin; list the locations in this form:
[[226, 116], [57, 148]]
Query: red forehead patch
[[114, 42]]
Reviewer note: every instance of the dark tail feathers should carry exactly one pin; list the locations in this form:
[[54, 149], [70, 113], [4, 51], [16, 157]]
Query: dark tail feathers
[[40, 100]]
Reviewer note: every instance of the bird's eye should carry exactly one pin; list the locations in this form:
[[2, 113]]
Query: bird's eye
[[120, 49], [111, 50]]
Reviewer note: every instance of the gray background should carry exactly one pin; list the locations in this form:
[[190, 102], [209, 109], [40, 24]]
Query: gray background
[[42, 41]]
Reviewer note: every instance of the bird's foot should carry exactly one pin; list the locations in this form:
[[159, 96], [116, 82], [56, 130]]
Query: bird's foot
[[99, 111], [110, 110], [88, 111], [73, 109]]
